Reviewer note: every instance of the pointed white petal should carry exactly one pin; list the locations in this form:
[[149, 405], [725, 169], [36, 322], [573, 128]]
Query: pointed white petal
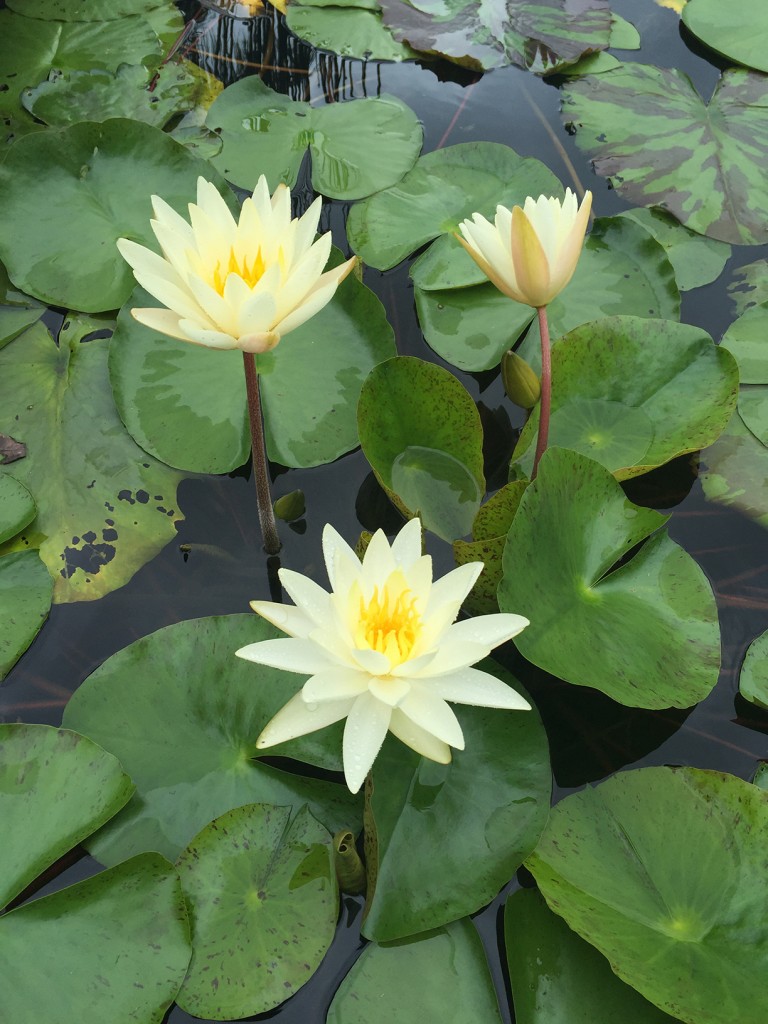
[[486, 630], [168, 217], [296, 719], [335, 684], [290, 655], [306, 594], [406, 547], [291, 620], [336, 551], [472, 686], [364, 733], [449, 657], [204, 336], [373, 662], [314, 302], [378, 563], [418, 739], [165, 321], [389, 689], [430, 712]]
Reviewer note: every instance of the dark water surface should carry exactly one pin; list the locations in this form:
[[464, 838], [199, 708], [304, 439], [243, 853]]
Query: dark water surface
[[217, 565]]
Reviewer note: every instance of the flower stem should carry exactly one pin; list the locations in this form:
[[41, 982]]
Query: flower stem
[[260, 465], [546, 389]]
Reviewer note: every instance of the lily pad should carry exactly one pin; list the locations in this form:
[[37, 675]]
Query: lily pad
[[118, 946], [357, 147], [443, 188], [17, 507], [17, 310], [26, 590], [753, 681], [104, 506], [189, 742], [187, 405], [56, 788], [419, 979], [274, 879], [351, 30], [557, 978], [492, 801], [622, 269], [666, 904], [743, 39], [420, 429], [735, 471], [633, 394], [545, 36], [660, 144], [102, 176], [84, 10], [746, 339], [696, 260], [749, 286], [645, 633]]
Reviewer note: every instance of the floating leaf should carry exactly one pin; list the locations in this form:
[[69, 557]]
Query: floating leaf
[[557, 978], [633, 394], [189, 742], [357, 147], [749, 286], [418, 980], [25, 600], [117, 946], [187, 405], [104, 506], [543, 36], [624, 35], [443, 188], [696, 260], [351, 30], [735, 471], [102, 176], [98, 11], [650, 132], [663, 870], [492, 801], [17, 507], [645, 633], [753, 681], [273, 880], [17, 310], [743, 39], [747, 340], [420, 429], [56, 788]]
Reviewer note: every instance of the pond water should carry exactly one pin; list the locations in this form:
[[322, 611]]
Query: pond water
[[216, 564]]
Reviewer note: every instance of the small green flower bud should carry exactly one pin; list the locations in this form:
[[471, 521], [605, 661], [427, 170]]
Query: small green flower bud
[[290, 506], [520, 381]]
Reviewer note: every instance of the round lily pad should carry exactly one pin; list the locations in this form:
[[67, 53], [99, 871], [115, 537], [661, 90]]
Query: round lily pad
[[753, 681], [263, 900], [645, 632], [84, 10], [664, 871], [189, 742], [102, 176], [743, 39], [697, 260], [357, 147], [735, 471], [349, 30], [26, 589], [747, 340], [17, 507]]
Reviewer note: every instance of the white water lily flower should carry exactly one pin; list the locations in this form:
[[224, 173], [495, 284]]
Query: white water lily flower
[[383, 651], [234, 284], [529, 253]]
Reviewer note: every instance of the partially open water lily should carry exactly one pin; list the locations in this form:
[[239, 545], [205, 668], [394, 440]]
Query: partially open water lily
[[234, 284], [383, 650], [529, 252]]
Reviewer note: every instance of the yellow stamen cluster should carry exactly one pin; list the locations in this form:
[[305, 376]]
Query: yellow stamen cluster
[[389, 622], [251, 275]]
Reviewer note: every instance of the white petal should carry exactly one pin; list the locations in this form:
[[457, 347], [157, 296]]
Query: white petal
[[335, 684], [257, 314], [306, 594], [306, 226], [406, 547], [167, 216], [418, 739], [165, 321], [472, 686], [311, 305], [336, 551], [364, 733], [453, 588], [291, 620], [256, 344], [204, 336], [296, 719], [373, 662], [431, 712], [486, 630], [449, 657], [289, 655], [378, 563], [389, 689], [212, 202]]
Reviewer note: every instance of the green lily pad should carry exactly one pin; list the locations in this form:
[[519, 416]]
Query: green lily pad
[[734, 471], [439, 976], [351, 30], [544, 37], [26, 590], [443, 188], [187, 405], [624, 35], [492, 801], [357, 147], [85, 10], [743, 39], [753, 681], [189, 743], [117, 946], [72, 96], [749, 286], [104, 506], [274, 880], [557, 978], [102, 176], [17, 310], [747, 340], [633, 394], [56, 788], [696, 260], [17, 507], [652, 135], [645, 633], [420, 429], [622, 269], [592, 64], [663, 870]]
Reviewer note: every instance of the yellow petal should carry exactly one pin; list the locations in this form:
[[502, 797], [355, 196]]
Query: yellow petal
[[529, 261]]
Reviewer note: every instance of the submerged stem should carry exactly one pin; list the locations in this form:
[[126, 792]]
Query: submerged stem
[[260, 465], [546, 389]]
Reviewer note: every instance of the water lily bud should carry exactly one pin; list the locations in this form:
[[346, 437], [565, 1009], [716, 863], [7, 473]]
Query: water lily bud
[[520, 381], [290, 506]]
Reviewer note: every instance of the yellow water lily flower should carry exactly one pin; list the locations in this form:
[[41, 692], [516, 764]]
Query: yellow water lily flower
[[529, 252], [383, 650], [234, 284]]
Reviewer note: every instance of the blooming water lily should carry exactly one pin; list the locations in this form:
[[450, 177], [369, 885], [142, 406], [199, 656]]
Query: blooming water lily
[[383, 650], [234, 284]]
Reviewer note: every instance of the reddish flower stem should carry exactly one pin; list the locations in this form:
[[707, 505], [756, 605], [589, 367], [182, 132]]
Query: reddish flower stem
[[260, 464], [546, 389]]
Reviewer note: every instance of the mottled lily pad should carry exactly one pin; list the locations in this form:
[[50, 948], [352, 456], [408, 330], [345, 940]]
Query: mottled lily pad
[[749, 286]]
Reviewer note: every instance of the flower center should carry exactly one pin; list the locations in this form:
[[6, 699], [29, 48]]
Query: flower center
[[389, 622], [250, 274]]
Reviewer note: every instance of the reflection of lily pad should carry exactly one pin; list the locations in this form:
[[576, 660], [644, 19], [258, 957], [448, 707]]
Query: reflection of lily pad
[[645, 633], [663, 870], [735, 471], [652, 134], [747, 340], [611, 433], [753, 681], [439, 487]]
